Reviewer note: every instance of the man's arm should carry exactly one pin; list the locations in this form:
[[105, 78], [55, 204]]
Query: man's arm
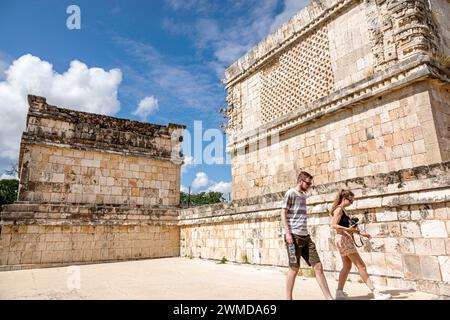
[[287, 231]]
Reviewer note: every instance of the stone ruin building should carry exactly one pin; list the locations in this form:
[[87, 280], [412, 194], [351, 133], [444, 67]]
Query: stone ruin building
[[92, 188], [355, 92]]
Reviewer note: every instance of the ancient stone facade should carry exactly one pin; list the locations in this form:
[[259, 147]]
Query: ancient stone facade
[[334, 86], [92, 188], [357, 94]]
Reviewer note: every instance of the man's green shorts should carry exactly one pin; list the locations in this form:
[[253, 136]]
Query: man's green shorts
[[304, 247]]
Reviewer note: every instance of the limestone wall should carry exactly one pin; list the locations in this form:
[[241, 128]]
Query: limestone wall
[[440, 100], [68, 175], [48, 235], [75, 157], [392, 131], [406, 212]]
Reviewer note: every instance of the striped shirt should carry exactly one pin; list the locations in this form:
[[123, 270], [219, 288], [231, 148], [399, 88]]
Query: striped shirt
[[295, 202]]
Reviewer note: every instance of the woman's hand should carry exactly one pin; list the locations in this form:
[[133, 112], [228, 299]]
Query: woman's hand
[[353, 229], [365, 234]]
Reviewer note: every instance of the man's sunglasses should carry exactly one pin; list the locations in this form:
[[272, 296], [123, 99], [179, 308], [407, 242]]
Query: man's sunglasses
[[308, 183]]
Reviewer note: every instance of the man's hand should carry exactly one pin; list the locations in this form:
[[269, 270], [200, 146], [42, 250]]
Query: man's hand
[[289, 238]]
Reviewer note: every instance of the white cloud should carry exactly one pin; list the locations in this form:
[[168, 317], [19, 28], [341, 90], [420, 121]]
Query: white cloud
[[222, 186], [3, 68], [201, 180], [82, 88], [189, 163], [184, 189], [146, 107], [8, 177]]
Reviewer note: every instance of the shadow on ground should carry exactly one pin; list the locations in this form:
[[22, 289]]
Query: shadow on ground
[[395, 293]]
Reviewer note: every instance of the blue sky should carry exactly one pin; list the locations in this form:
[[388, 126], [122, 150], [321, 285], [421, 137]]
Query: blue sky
[[156, 61]]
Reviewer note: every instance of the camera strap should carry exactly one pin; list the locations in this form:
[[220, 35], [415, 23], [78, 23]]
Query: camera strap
[[360, 240]]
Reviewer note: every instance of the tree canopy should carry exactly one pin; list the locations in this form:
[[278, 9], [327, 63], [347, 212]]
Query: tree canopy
[[8, 191], [200, 198]]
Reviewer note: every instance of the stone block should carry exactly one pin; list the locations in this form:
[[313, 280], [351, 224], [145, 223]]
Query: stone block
[[438, 247], [394, 264], [433, 229], [444, 288], [422, 246], [410, 229], [391, 245], [428, 286], [430, 268], [378, 266], [411, 267], [386, 215], [444, 263]]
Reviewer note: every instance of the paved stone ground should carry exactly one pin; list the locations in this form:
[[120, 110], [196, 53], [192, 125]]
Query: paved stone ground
[[171, 278]]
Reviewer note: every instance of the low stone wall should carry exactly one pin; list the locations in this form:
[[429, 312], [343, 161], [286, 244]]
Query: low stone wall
[[39, 236], [407, 213]]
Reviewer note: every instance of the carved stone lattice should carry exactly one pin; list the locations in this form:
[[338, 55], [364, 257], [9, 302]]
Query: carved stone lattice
[[297, 77]]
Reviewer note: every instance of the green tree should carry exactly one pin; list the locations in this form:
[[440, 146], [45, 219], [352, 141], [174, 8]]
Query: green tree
[[200, 198], [8, 191]]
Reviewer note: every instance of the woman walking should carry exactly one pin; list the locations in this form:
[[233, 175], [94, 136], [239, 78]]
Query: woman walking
[[344, 242]]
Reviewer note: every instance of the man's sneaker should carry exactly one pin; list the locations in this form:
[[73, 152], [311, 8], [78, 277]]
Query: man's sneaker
[[381, 296], [341, 295]]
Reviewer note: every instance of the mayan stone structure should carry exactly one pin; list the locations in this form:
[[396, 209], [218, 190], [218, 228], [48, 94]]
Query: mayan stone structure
[[357, 94], [92, 188]]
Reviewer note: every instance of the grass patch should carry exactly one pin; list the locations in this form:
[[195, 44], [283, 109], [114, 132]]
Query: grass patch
[[307, 272], [223, 260]]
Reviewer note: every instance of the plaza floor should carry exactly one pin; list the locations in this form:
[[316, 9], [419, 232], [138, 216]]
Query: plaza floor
[[171, 278]]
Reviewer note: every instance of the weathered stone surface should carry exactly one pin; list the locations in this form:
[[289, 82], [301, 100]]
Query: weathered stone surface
[[412, 267], [410, 229], [433, 229], [444, 263], [430, 268]]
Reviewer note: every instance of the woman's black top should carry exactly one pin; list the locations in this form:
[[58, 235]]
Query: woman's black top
[[345, 220]]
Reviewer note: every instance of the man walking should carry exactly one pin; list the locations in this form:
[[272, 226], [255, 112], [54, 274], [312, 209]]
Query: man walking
[[293, 217]]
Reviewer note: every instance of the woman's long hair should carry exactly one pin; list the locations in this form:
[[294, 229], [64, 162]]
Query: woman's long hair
[[343, 194]]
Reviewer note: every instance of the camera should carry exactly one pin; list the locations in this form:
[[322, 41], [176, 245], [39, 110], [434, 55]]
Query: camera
[[353, 221]]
